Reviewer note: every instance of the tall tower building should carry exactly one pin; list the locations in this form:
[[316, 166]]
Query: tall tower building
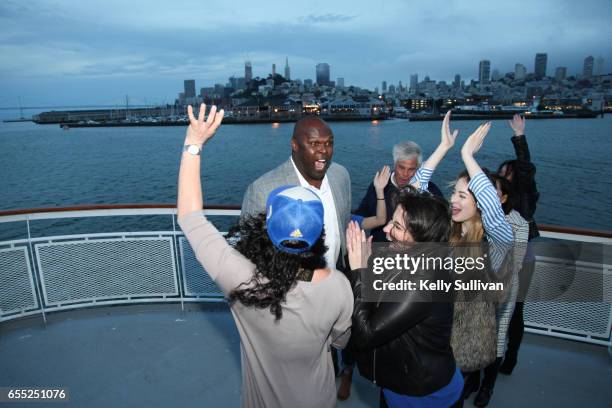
[[273, 70], [414, 83], [520, 72], [323, 74], [598, 69], [540, 65], [384, 86], [587, 69], [287, 71], [560, 73], [189, 87], [248, 71], [484, 72], [456, 82], [340, 83]]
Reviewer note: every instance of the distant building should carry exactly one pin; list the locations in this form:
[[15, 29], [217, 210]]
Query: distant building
[[456, 82], [207, 92], [308, 83], [495, 76], [384, 86], [520, 72], [541, 60], [248, 71], [560, 73], [484, 71], [587, 69], [273, 70], [414, 83], [287, 71], [391, 89], [189, 87], [340, 83], [599, 66], [322, 74]]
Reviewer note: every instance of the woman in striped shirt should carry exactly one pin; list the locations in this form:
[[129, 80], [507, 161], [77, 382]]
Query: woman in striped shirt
[[477, 217]]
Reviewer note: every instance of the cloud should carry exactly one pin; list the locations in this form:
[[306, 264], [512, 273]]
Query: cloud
[[325, 18]]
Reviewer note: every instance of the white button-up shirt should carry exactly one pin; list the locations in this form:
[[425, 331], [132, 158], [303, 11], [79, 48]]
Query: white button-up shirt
[[330, 218]]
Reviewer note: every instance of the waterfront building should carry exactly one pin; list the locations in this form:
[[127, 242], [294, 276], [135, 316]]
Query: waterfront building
[[520, 72], [322, 74], [587, 69], [248, 71], [484, 71], [287, 70], [189, 88], [560, 73], [541, 60]]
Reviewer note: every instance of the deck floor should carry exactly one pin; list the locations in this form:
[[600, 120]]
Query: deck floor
[[160, 356]]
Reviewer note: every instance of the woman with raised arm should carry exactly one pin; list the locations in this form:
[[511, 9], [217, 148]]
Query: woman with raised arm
[[477, 217], [520, 230], [520, 173], [288, 307], [404, 345]]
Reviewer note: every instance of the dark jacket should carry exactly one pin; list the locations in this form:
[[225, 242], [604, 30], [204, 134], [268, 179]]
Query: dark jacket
[[367, 207], [402, 346], [523, 184]]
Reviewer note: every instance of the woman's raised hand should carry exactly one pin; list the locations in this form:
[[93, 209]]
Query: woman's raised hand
[[447, 137], [474, 141], [199, 131], [359, 248], [518, 125]]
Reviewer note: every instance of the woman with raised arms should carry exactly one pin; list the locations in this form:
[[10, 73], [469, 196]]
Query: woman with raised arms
[[288, 307]]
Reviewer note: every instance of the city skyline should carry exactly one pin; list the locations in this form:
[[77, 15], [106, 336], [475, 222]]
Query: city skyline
[[98, 52]]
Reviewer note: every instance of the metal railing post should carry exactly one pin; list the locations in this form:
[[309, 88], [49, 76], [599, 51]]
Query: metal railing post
[[36, 273]]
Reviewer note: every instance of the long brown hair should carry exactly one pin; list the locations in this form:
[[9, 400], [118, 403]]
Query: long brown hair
[[474, 234]]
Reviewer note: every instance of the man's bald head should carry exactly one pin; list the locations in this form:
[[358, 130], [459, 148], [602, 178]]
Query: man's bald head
[[309, 125], [312, 148]]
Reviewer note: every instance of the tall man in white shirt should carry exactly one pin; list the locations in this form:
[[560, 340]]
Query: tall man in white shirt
[[310, 165]]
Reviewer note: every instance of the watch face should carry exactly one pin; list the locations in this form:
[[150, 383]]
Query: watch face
[[193, 149]]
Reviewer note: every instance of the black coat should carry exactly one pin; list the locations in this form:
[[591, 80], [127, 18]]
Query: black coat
[[524, 190], [403, 346]]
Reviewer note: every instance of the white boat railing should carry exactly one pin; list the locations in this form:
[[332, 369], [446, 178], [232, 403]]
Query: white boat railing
[[45, 274]]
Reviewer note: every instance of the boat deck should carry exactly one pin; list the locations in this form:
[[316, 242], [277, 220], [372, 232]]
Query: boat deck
[[161, 356]]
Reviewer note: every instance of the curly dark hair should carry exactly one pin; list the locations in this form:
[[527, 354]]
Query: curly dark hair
[[276, 272]]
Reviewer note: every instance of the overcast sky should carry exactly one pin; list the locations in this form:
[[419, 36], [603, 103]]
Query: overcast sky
[[96, 52]]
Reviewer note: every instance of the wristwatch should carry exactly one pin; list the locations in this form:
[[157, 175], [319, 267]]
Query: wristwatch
[[193, 149]]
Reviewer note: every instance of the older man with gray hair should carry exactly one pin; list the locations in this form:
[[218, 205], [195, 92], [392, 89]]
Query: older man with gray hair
[[406, 160]]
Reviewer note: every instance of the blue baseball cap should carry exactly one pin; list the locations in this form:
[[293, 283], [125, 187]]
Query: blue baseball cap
[[294, 213]]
